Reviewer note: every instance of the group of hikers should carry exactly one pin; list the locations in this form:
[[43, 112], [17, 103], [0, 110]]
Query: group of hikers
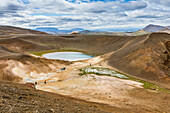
[[46, 81], [37, 82]]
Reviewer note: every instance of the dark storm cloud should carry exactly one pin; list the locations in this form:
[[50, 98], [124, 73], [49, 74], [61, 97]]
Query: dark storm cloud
[[10, 10], [22, 22], [133, 5], [67, 9], [48, 22], [147, 16], [112, 7], [13, 7], [92, 15], [98, 11], [16, 15], [70, 19], [1, 14], [74, 20]]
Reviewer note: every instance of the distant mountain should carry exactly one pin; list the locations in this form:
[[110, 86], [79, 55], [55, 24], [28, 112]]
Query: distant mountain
[[53, 30], [147, 29], [77, 29], [135, 33], [50, 30], [155, 28], [85, 32], [47, 29]]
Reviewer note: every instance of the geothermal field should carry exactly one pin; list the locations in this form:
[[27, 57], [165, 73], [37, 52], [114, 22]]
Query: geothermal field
[[79, 73]]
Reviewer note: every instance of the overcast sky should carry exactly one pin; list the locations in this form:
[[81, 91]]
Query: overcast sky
[[87, 14]]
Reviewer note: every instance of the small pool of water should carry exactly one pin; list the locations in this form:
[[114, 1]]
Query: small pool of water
[[69, 56]]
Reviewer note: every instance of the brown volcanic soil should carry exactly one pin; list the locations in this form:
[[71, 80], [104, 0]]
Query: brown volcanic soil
[[10, 30], [146, 56], [17, 98], [22, 98], [91, 44], [28, 64]]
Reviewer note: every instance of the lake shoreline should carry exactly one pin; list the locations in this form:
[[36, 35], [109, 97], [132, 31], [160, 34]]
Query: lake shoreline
[[68, 56]]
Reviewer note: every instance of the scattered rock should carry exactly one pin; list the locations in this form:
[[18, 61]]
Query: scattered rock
[[79, 109], [3, 101], [32, 85], [7, 97], [20, 97], [34, 102], [51, 110]]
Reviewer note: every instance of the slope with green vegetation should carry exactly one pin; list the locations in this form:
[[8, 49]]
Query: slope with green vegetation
[[109, 72]]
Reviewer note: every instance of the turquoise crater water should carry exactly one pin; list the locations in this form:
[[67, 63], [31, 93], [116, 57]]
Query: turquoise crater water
[[69, 56]]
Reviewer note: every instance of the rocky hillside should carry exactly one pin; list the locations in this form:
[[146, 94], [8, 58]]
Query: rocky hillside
[[10, 30], [22, 98], [146, 56]]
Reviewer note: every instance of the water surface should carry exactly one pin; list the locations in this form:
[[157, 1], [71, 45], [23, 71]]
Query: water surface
[[69, 56]]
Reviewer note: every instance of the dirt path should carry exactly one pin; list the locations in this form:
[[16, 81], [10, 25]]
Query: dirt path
[[17, 98], [121, 95], [104, 89]]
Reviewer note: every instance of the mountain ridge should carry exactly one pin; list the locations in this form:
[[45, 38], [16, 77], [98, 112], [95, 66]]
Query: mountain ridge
[[155, 28], [54, 30]]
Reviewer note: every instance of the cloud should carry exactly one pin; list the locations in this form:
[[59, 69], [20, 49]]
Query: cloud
[[133, 5], [147, 16], [8, 8], [159, 2], [88, 14], [70, 19]]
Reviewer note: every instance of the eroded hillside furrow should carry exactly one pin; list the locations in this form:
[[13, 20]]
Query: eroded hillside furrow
[[19, 45], [7, 30], [146, 57], [127, 74], [167, 62], [26, 68]]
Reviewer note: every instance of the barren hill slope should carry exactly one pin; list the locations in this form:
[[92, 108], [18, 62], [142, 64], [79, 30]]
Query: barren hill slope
[[146, 56], [92, 44], [21, 98], [10, 30]]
